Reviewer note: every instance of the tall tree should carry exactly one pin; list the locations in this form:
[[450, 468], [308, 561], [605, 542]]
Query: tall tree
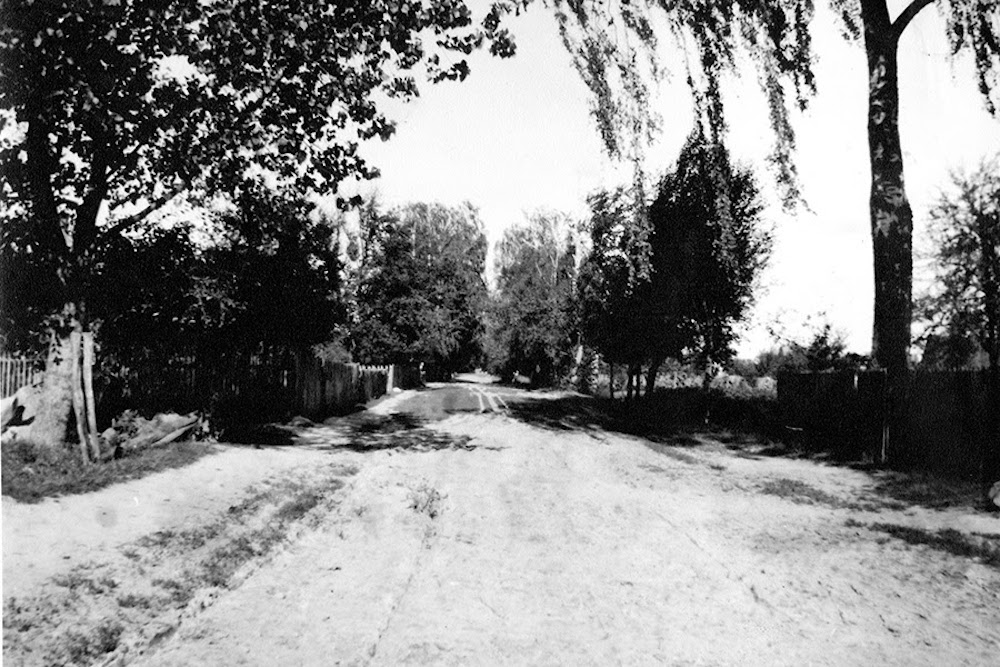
[[611, 277], [532, 325], [678, 291], [965, 307], [112, 109], [706, 254], [420, 291], [609, 42], [962, 309]]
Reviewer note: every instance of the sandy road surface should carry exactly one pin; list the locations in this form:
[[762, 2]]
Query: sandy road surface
[[500, 540], [571, 547]]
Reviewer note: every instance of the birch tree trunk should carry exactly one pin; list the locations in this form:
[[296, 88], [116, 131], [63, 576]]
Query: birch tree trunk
[[891, 219]]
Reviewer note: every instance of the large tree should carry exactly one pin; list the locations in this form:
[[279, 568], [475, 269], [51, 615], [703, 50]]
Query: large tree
[[419, 287], [609, 42], [679, 290], [532, 325], [111, 109], [706, 254], [612, 274], [962, 309]]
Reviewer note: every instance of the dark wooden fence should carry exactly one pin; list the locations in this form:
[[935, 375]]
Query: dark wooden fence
[[259, 387], [948, 417]]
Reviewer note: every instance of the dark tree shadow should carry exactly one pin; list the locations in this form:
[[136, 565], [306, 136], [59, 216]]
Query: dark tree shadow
[[748, 431], [368, 432], [584, 413]]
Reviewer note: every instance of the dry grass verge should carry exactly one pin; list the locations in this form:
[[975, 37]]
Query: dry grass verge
[[31, 474], [116, 610], [985, 548]]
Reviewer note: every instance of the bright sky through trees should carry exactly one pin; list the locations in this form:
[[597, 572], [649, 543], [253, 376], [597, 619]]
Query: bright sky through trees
[[516, 136]]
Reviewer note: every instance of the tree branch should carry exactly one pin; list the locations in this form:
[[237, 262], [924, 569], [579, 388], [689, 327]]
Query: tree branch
[[907, 15], [155, 205]]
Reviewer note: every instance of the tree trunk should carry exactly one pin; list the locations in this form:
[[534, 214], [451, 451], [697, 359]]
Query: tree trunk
[[79, 400], [88, 394], [891, 220], [56, 400], [611, 380], [67, 388], [628, 383], [654, 369]]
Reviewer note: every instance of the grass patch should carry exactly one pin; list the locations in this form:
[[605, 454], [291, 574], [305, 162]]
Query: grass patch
[[299, 506], [803, 494], [30, 474], [135, 601], [671, 451], [986, 548], [84, 647], [222, 564], [178, 592], [77, 582], [928, 490], [159, 574]]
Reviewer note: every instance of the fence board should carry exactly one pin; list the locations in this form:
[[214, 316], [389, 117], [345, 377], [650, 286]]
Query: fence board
[[948, 417], [16, 372]]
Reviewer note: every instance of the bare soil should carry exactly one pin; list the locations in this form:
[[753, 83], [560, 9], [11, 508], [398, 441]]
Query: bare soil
[[484, 538]]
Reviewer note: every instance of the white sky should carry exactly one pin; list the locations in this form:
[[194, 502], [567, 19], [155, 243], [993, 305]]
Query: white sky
[[517, 135]]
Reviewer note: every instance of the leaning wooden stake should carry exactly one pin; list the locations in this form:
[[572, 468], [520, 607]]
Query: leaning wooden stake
[[78, 398], [88, 394]]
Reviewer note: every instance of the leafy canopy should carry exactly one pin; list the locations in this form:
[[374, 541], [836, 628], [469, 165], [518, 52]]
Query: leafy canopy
[[532, 325], [704, 253], [961, 310], [617, 47], [125, 103], [418, 286]]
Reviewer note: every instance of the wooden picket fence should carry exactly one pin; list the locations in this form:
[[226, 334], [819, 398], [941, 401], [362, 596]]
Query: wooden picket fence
[[16, 372]]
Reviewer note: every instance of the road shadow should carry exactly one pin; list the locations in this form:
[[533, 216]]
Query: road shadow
[[585, 413], [664, 425], [399, 431]]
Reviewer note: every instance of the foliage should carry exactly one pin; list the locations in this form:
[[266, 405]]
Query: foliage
[[419, 286], [532, 327], [615, 49], [703, 254], [270, 277], [613, 43], [823, 350], [121, 106], [962, 310], [282, 261], [610, 275], [708, 248]]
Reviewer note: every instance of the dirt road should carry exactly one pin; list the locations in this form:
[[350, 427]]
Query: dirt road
[[488, 537]]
